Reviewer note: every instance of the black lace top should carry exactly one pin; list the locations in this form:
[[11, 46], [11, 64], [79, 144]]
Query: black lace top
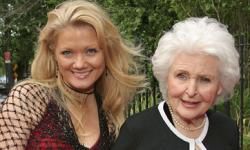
[[30, 119]]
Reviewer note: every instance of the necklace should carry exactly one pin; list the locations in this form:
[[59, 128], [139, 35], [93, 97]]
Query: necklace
[[75, 92], [178, 123], [78, 119]]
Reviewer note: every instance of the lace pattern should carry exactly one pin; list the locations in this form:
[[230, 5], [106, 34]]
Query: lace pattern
[[30, 119], [20, 113]]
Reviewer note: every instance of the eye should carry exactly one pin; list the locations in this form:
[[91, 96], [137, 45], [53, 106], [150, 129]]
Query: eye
[[182, 76], [205, 80], [91, 51], [67, 53]]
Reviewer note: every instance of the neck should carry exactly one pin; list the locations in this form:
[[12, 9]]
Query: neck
[[78, 94], [72, 90], [77, 91]]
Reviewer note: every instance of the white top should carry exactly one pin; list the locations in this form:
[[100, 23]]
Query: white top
[[192, 142]]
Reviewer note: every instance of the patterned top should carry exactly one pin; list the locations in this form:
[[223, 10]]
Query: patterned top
[[31, 119]]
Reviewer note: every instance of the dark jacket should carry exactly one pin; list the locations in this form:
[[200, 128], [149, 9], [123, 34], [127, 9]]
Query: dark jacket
[[149, 131]]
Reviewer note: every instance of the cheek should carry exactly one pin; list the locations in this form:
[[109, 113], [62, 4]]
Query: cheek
[[99, 62], [63, 65], [208, 96], [60, 61], [174, 88], [102, 68]]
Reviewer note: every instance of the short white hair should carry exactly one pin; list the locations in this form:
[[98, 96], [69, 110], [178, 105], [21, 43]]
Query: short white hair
[[198, 35]]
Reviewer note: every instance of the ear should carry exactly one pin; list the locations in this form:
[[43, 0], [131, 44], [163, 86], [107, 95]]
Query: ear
[[220, 89]]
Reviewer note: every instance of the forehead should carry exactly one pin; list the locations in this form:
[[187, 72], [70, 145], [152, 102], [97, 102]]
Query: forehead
[[198, 63], [76, 34], [57, 32], [76, 27]]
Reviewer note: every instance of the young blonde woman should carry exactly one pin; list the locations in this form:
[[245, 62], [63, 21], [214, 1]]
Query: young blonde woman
[[82, 77]]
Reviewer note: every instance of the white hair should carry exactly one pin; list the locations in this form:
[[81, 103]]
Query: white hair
[[198, 35]]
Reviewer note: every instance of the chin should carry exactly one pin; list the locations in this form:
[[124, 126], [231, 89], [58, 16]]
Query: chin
[[189, 115], [82, 88]]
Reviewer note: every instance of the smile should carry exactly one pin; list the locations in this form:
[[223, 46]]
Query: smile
[[189, 104], [81, 75]]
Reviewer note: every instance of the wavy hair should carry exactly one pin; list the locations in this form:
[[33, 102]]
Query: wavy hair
[[198, 35], [121, 79]]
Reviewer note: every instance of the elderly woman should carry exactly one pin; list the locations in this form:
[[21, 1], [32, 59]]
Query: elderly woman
[[196, 65]]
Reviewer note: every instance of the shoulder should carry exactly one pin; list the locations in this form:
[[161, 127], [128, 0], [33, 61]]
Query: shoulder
[[222, 125], [21, 112], [144, 117], [220, 119], [30, 91], [31, 97], [27, 87], [137, 131], [142, 122], [222, 132]]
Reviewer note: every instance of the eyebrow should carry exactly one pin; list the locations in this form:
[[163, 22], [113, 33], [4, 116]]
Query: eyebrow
[[207, 75], [199, 75], [180, 70]]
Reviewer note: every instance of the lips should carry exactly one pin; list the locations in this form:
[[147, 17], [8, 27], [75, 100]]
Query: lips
[[189, 104], [81, 75]]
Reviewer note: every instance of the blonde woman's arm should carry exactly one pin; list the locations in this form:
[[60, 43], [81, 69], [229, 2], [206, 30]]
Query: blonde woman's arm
[[20, 113]]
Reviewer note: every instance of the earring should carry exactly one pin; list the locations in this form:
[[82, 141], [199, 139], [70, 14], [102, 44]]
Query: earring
[[106, 72], [57, 72]]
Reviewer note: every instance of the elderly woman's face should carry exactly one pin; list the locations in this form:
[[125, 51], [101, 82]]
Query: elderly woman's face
[[193, 84], [79, 56]]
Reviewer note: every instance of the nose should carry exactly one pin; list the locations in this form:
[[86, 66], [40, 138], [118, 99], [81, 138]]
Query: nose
[[79, 62], [191, 89]]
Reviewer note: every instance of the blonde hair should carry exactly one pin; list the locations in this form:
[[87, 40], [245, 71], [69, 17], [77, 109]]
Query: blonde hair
[[120, 81]]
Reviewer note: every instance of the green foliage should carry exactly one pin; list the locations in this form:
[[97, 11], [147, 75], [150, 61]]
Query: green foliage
[[233, 13], [246, 141], [140, 21], [20, 23], [235, 104], [2, 71]]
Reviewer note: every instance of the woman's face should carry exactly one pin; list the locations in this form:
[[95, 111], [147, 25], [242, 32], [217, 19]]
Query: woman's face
[[79, 57], [193, 84]]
